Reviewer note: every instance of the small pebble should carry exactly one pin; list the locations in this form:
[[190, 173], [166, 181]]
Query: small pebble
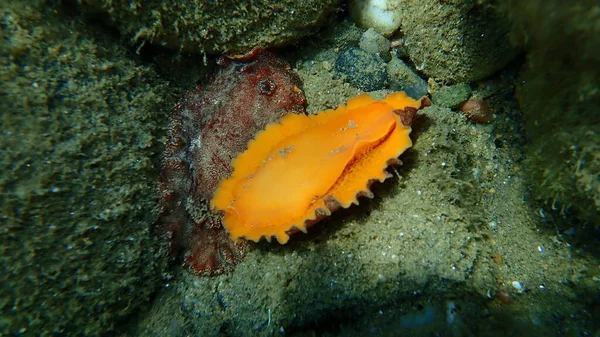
[[373, 42], [451, 96], [403, 78], [476, 111], [364, 70]]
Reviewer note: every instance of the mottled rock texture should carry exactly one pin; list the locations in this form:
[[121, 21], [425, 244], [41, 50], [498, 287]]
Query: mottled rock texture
[[78, 163], [559, 95], [454, 41], [214, 26]]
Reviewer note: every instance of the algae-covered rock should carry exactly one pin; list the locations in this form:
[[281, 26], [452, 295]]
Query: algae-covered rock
[[457, 41], [451, 96], [214, 26], [79, 125], [454, 41], [560, 100]]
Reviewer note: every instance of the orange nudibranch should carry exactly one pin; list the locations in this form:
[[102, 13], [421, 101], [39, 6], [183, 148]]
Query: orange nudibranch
[[300, 169]]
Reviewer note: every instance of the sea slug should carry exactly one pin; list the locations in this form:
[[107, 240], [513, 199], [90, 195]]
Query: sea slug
[[300, 169]]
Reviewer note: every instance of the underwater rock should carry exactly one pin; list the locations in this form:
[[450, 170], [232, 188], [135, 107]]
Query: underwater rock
[[451, 96], [363, 70], [402, 77], [457, 41], [80, 122], [558, 92], [452, 41], [214, 26], [373, 42]]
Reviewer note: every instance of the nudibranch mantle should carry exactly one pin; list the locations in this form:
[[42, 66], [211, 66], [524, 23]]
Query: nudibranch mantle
[[298, 170]]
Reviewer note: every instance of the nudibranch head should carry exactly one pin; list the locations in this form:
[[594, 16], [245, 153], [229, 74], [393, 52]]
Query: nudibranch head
[[301, 169]]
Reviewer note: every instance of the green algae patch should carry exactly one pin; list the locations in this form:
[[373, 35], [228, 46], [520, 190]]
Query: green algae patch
[[80, 122], [455, 41], [214, 26]]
